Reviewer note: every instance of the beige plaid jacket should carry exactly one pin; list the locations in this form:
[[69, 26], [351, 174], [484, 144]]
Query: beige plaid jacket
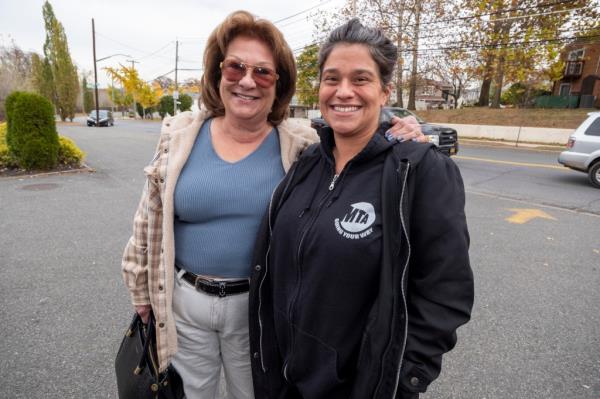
[[149, 257]]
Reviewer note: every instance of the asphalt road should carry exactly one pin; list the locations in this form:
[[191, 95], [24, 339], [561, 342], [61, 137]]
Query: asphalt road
[[535, 253]]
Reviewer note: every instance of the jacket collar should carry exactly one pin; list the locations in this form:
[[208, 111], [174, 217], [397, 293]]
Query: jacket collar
[[376, 145]]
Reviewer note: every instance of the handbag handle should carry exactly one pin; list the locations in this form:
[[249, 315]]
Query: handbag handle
[[147, 332]]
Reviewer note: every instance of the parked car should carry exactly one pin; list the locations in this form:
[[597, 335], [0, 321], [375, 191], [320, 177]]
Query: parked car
[[106, 118], [445, 138], [583, 149]]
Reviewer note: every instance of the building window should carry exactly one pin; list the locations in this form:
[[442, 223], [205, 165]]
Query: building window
[[428, 90], [565, 89], [574, 68], [576, 55]]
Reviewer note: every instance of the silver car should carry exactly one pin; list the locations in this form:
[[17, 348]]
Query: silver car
[[583, 149]]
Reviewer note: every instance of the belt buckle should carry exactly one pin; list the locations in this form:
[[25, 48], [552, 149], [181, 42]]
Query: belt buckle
[[222, 285], [197, 283]]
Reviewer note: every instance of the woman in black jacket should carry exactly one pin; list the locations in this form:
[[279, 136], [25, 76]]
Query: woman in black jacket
[[362, 272]]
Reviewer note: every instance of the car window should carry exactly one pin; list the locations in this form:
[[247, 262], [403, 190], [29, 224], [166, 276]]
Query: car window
[[101, 113], [594, 128], [403, 113], [400, 112]]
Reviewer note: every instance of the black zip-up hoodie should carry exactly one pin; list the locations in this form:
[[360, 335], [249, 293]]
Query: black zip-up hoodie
[[360, 282]]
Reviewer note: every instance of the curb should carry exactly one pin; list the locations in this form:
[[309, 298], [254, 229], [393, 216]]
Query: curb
[[514, 144], [85, 168]]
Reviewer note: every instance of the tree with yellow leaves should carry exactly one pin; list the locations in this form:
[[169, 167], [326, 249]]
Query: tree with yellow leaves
[[143, 93], [148, 97]]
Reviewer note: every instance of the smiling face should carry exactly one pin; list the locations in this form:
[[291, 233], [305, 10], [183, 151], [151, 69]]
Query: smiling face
[[244, 100], [351, 93]]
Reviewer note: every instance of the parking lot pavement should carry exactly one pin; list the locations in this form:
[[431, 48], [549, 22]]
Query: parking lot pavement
[[64, 308], [533, 332]]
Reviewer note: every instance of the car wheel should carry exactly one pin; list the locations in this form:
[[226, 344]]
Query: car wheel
[[594, 174]]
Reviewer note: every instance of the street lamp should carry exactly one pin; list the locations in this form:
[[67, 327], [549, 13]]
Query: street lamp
[[96, 72], [114, 55], [112, 94]]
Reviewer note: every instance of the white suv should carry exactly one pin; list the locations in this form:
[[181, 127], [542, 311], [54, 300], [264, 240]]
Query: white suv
[[583, 149]]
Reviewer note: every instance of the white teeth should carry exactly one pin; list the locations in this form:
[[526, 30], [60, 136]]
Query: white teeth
[[344, 109], [245, 97]]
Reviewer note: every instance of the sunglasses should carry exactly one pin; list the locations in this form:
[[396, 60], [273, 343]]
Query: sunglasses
[[236, 70]]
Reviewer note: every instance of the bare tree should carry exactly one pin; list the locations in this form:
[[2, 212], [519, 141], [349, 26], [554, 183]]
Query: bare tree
[[15, 72]]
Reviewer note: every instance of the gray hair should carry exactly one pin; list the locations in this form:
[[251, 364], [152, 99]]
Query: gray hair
[[382, 50]]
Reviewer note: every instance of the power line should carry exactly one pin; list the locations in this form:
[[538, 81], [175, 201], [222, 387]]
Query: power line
[[569, 30], [155, 52], [302, 12], [145, 53], [424, 26], [500, 45], [160, 76], [438, 21]]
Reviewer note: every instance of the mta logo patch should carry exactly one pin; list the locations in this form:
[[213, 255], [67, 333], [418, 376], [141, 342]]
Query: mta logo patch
[[357, 222]]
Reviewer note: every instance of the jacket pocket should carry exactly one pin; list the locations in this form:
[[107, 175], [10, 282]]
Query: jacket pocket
[[314, 366]]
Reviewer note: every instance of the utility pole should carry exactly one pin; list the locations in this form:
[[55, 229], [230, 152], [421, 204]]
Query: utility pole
[[175, 92], [112, 96], [133, 62], [353, 8], [95, 75]]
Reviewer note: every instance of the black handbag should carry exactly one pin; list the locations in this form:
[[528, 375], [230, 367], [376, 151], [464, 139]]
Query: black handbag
[[136, 366]]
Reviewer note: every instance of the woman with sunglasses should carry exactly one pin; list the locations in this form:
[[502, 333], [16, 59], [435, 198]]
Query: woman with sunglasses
[[208, 187]]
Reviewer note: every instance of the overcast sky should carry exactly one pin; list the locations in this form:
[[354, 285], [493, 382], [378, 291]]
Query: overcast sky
[[147, 30]]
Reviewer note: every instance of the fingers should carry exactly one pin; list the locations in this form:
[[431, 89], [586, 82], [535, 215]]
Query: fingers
[[144, 312], [406, 129]]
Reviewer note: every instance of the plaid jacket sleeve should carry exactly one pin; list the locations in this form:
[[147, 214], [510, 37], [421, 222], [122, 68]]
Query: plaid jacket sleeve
[[135, 257], [134, 264]]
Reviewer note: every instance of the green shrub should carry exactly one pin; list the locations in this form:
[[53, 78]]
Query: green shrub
[[6, 159], [147, 112], [165, 106], [68, 152], [31, 135], [8, 106], [185, 102]]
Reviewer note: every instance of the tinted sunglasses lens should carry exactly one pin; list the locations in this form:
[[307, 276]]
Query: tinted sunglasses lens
[[263, 76], [234, 70]]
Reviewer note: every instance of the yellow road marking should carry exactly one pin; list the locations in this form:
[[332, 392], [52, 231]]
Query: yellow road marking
[[532, 165], [532, 203], [522, 216]]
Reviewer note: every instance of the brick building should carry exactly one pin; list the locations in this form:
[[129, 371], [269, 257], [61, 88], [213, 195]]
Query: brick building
[[581, 76]]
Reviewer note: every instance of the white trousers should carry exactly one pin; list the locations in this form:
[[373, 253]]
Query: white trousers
[[212, 332]]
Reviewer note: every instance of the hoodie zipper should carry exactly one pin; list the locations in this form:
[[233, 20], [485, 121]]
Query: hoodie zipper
[[332, 184], [307, 227]]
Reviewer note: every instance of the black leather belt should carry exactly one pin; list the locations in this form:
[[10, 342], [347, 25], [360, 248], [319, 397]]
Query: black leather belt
[[217, 288]]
